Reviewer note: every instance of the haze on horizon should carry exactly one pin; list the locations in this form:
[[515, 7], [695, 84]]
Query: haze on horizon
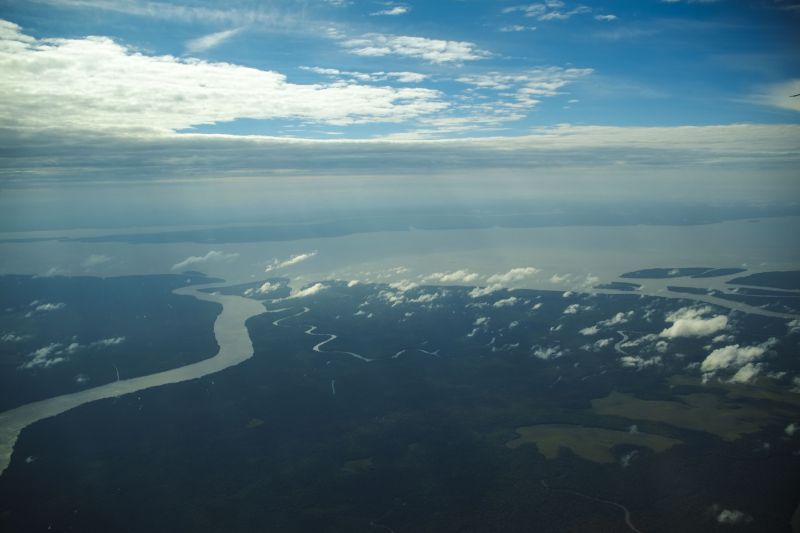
[[295, 106]]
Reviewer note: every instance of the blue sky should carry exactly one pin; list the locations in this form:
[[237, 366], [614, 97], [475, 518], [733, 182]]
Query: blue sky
[[177, 90]]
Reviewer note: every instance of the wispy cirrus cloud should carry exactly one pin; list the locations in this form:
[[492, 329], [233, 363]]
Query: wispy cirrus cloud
[[780, 95], [548, 10], [432, 50], [212, 40], [392, 10], [266, 14]]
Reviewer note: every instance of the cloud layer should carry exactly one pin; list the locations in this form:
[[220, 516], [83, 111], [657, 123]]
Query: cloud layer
[[57, 83]]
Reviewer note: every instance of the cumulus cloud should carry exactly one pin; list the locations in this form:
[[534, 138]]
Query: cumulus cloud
[[602, 343], [214, 256], [403, 285], [506, 302], [626, 459], [311, 290], [45, 357], [512, 276], [433, 50], [264, 288], [12, 337], [589, 331], [619, 318], [56, 353], [791, 429], [733, 517], [735, 357], [747, 374], [134, 91], [45, 307], [639, 363], [691, 322], [95, 260], [293, 260], [478, 292], [546, 353], [105, 343], [459, 276]]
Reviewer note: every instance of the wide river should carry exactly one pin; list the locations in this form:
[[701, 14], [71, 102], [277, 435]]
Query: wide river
[[234, 347], [566, 258]]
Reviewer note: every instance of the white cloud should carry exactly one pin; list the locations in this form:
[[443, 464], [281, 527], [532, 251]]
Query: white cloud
[[212, 40], [736, 357], [95, 260], [791, 429], [602, 343], [400, 76], [689, 322], [626, 459], [459, 276], [549, 10], [619, 318], [707, 151], [293, 260], [12, 337], [512, 276], [96, 84], [546, 353], [352, 283], [264, 288], [605, 18], [311, 290], [733, 517], [105, 343], [516, 28], [432, 50], [526, 88], [263, 15], [779, 95], [392, 11], [589, 331], [214, 256], [477, 292], [506, 302], [747, 374], [639, 363], [403, 285], [47, 307], [45, 357]]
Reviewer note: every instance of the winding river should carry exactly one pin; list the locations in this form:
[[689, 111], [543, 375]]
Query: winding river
[[234, 347]]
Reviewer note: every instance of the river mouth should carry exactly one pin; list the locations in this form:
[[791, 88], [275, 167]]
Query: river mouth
[[235, 347]]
